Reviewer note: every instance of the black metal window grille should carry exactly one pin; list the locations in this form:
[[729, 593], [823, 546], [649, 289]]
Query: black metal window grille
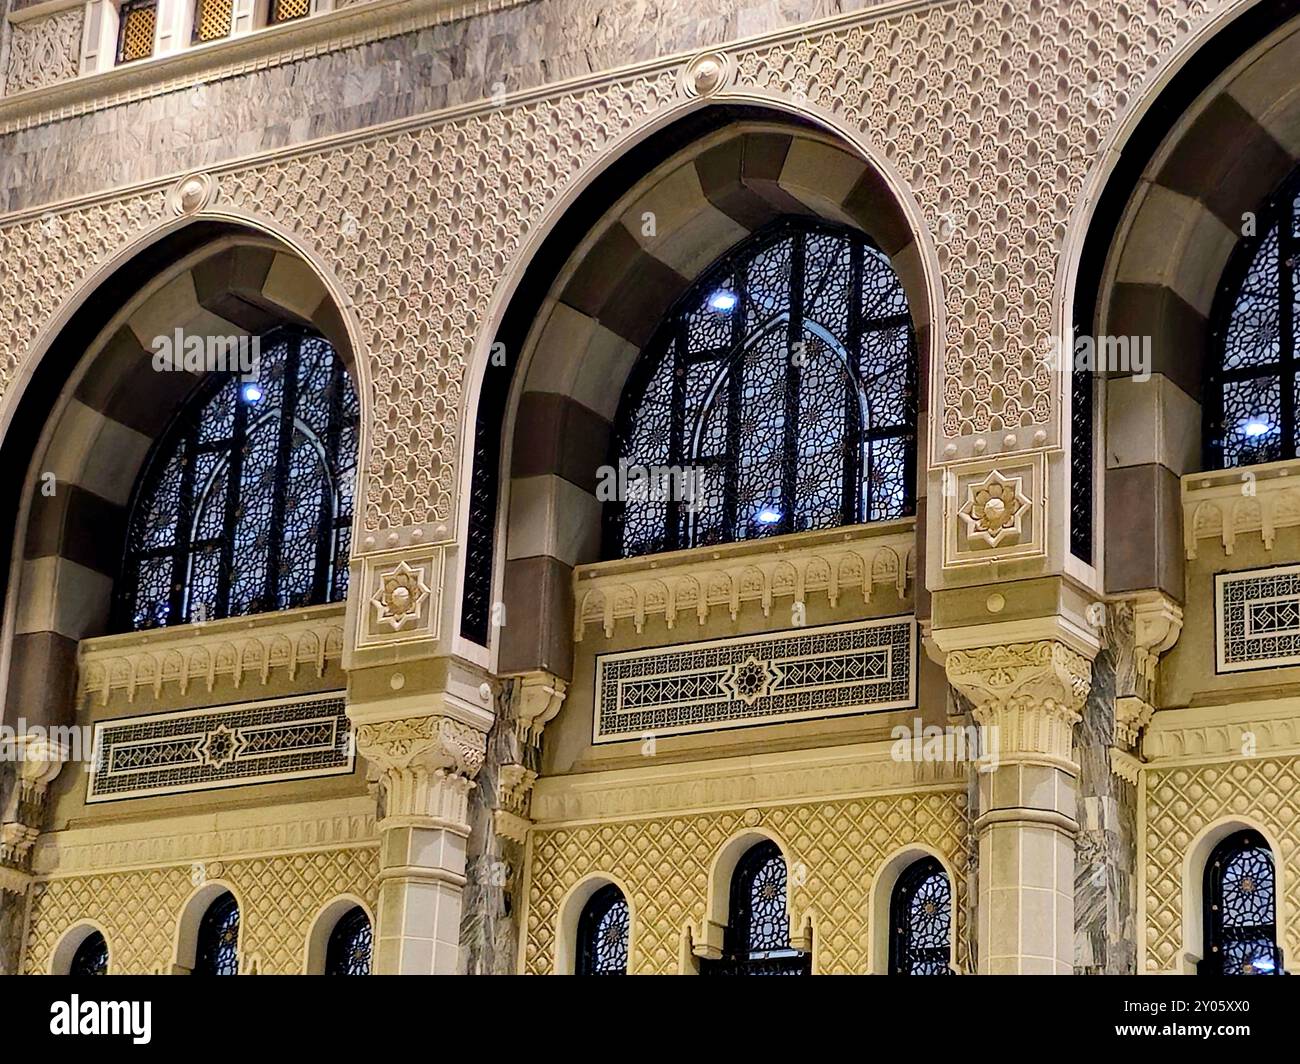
[[920, 921], [757, 939], [1081, 464], [603, 934], [217, 952], [246, 502], [137, 21], [780, 393], [91, 957], [1250, 408], [351, 942], [1240, 898]]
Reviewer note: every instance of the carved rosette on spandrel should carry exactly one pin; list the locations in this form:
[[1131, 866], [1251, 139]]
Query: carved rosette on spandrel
[[1031, 693], [425, 768]]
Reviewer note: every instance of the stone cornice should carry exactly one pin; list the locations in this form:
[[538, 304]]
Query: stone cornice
[[726, 783], [1229, 503], [226, 834], [266, 47], [236, 648], [696, 582], [1267, 728]]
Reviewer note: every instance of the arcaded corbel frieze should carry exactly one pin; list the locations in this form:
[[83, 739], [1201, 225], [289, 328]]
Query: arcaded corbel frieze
[[425, 766], [1225, 504], [540, 696], [723, 578], [1031, 693]]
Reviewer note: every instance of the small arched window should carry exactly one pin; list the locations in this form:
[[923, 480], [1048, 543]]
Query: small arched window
[[757, 939], [1250, 407], [245, 505], [350, 944], [1240, 899], [603, 934], [779, 395], [91, 957], [920, 921], [217, 951]]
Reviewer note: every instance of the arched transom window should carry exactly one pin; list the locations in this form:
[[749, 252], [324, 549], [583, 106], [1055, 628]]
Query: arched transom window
[[350, 944], [1251, 399], [778, 396], [245, 505], [602, 934], [757, 939], [920, 919], [1240, 899], [217, 949]]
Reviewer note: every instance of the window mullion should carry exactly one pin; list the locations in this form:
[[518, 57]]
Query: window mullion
[[851, 494], [793, 383], [676, 436], [182, 554], [283, 456], [734, 367], [234, 490]]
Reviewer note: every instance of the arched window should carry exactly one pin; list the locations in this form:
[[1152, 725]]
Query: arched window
[[757, 939], [1240, 901], [602, 934], [1250, 404], [245, 505], [920, 921], [217, 952], [350, 944], [91, 957], [779, 395]]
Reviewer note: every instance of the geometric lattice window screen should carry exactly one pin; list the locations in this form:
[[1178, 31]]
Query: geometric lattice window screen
[[1257, 619], [201, 749], [735, 683]]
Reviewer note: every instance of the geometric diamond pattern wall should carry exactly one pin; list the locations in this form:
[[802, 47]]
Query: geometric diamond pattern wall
[[665, 864], [138, 910], [1181, 803]]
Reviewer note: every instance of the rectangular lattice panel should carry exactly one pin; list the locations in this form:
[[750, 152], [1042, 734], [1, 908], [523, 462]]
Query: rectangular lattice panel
[[286, 10], [1257, 619], [197, 750], [137, 21], [735, 683], [212, 19]]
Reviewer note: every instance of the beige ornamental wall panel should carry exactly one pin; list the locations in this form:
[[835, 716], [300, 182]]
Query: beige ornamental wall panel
[[665, 863], [137, 910]]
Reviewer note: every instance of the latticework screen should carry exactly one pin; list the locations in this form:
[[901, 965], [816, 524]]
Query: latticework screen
[[212, 19], [285, 10], [137, 20]]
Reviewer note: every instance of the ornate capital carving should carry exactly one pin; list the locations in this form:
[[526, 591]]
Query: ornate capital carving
[[425, 766], [540, 697], [1157, 623], [1031, 693], [38, 762]]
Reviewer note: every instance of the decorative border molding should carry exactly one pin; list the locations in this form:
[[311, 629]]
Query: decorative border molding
[[237, 648], [1257, 619], [788, 777], [230, 746], [1246, 731], [800, 674], [700, 580], [227, 834]]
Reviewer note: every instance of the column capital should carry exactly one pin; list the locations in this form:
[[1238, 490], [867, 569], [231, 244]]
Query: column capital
[[425, 767], [1031, 692]]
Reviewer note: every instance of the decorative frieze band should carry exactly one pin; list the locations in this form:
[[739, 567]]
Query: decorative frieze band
[[846, 561], [732, 683], [239, 649], [1229, 503], [200, 749], [1257, 619]]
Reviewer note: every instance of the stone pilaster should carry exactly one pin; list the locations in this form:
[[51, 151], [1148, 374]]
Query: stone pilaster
[[1027, 697], [425, 768]]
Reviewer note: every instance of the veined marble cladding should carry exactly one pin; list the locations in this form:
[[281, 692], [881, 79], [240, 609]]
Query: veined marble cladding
[[1105, 875], [398, 77]]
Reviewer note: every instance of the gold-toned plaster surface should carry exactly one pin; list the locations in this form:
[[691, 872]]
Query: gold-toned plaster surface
[[1180, 804], [280, 897], [665, 865]]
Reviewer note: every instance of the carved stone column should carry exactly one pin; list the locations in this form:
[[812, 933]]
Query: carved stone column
[[425, 768], [1027, 697], [29, 766]]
